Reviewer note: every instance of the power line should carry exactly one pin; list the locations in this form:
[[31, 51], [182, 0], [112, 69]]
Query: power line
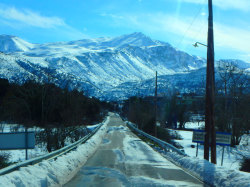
[[198, 13]]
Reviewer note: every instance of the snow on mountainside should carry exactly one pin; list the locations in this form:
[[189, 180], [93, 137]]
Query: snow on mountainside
[[135, 39], [100, 66], [92, 45], [10, 44]]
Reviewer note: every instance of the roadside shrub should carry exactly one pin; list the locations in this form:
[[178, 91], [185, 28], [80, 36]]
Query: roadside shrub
[[175, 135], [148, 124], [55, 137], [245, 165], [163, 134], [4, 159]]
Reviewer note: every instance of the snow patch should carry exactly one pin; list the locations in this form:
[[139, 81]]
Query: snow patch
[[210, 173]]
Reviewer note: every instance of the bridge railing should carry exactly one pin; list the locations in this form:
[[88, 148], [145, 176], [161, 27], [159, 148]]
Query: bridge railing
[[50, 156], [166, 146]]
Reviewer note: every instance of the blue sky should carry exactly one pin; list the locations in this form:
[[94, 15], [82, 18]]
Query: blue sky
[[178, 22]]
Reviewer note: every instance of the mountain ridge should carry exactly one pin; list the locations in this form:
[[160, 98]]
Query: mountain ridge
[[98, 65]]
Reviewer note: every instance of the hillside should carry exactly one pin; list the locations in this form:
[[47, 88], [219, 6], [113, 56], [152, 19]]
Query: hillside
[[108, 68]]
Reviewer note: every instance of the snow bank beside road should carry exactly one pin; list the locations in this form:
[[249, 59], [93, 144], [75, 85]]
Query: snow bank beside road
[[210, 173], [55, 172]]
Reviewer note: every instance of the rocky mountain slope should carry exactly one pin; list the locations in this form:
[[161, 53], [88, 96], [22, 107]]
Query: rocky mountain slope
[[108, 68]]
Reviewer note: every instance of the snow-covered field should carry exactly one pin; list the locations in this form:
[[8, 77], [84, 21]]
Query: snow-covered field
[[232, 156], [19, 155], [40, 149], [55, 172]]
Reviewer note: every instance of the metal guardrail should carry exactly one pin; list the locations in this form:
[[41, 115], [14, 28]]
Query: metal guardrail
[[51, 155], [166, 146]]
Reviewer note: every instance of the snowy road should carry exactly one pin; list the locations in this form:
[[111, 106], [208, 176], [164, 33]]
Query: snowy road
[[124, 160]]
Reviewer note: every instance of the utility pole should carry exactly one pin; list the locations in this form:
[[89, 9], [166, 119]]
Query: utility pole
[[209, 118], [156, 104]]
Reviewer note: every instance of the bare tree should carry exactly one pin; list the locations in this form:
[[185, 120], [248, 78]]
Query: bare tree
[[232, 115], [226, 70], [2, 125]]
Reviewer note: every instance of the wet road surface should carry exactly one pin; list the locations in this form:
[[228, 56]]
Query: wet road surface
[[124, 160]]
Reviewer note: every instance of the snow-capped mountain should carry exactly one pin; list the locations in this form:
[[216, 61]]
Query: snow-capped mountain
[[10, 44], [100, 66]]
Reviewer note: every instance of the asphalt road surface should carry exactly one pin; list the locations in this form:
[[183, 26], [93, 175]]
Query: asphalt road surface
[[124, 160]]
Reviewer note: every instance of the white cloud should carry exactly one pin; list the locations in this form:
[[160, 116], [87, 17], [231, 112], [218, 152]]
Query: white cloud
[[226, 37], [23, 18], [111, 15], [203, 14], [231, 37], [243, 5], [245, 57], [29, 17]]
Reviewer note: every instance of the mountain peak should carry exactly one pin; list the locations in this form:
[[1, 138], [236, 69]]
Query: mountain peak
[[135, 39], [9, 43], [137, 34]]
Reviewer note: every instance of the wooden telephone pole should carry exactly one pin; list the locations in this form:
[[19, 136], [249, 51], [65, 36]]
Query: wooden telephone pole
[[209, 118], [156, 104]]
